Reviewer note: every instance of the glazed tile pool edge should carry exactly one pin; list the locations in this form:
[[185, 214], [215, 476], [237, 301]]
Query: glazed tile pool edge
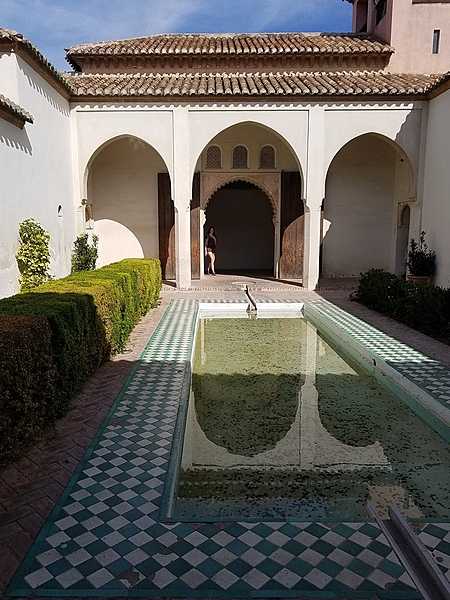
[[103, 537], [424, 383]]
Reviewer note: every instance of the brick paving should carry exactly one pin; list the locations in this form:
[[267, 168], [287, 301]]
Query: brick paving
[[30, 486]]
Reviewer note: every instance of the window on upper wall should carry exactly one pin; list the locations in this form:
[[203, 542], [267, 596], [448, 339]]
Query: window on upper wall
[[380, 10], [267, 158], [436, 40], [214, 158], [240, 157]]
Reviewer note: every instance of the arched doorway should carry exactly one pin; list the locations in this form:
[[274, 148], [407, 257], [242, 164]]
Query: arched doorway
[[253, 153], [243, 218], [368, 179], [128, 193]]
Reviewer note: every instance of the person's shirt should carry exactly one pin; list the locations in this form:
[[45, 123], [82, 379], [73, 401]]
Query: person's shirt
[[211, 242]]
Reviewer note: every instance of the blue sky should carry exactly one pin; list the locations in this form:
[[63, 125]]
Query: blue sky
[[55, 24]]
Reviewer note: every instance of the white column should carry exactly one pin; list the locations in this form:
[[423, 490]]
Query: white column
[[415, 217], [312, 247], [314, 195], [182, 195], [183, 246]]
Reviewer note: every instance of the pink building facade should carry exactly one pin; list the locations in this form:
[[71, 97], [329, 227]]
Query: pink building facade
[[418, 30]]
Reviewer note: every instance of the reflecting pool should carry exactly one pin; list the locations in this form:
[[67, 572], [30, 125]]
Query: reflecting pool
[[281, 426]]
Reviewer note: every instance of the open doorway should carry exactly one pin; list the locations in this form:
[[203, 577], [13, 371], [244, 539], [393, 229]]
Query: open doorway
[[242, 216]]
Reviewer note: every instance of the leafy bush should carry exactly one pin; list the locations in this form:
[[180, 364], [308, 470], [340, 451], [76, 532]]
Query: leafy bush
[[27, 380], [33, 254], [421, 260], [425, 308], [88, 316], [85, 253]]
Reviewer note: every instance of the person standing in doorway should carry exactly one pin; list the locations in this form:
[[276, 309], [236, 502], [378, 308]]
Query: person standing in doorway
[[210, 250]]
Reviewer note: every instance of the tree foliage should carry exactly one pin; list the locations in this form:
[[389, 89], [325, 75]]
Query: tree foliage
[[33, 255], [85, 253]]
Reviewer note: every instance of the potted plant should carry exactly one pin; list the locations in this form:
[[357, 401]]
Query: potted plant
[[421, 262]]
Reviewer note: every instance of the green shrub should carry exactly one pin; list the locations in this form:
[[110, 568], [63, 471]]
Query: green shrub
[[89, 316], [27, 381], [425, 308], [33, 254], [421, 260], [85, 253]]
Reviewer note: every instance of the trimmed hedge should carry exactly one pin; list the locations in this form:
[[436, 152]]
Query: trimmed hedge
[[27, 380], [55, 337], [425, 308]]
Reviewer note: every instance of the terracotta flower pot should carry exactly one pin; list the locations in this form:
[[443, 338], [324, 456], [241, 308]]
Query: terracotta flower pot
[[420, 279]]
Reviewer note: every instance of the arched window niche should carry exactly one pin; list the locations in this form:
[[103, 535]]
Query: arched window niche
[[267, 157], [240, 157], [214, 157]]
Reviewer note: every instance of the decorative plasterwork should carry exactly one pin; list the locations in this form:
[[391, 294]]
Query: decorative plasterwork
[[268, 182]]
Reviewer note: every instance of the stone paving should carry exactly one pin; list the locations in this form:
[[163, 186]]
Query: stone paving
[[30, 487]]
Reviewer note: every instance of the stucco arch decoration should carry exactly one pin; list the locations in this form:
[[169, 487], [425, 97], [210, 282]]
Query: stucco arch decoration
[[230, 119], [269, 183], [394, 144]]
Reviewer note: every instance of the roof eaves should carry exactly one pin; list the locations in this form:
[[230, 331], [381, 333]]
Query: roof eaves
[[200, 45], [14, 113], [280, 84], [13, 41], [441, 85]]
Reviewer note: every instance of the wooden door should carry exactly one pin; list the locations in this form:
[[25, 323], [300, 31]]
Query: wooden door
[[195, 228], [166, 226], [291, 226]]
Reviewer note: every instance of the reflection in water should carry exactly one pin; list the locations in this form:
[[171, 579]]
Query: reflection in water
[[280, 425]]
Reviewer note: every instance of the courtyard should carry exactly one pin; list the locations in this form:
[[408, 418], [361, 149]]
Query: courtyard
[[81, 507], [225, 301]]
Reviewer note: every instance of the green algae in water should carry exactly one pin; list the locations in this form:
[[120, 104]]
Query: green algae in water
[[280, 426]]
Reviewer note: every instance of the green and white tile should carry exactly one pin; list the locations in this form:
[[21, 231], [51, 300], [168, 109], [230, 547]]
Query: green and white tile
[[105, 536]]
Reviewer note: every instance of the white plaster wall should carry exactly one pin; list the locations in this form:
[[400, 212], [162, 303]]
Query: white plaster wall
[[45, 152], [399, 123], [360, 209], [35, 170], [123, 190], [97, 125], [436, 197]]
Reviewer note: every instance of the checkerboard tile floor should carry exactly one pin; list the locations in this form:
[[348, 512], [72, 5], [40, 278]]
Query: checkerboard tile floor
[[436, 537], [105, 536], [427, 373]]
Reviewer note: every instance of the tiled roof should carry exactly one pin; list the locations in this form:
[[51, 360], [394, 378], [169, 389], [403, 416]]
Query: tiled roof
[[297, 84], [228, 44], [15, 110], [442, 84], [14, 39]]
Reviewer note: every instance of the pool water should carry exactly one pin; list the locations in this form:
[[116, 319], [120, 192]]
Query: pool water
[[281, 426]]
